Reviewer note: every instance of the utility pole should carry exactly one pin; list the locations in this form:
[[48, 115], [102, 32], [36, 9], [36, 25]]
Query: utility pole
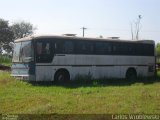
[[83, 28]]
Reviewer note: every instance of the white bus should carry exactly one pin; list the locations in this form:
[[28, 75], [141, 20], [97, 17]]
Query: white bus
[[62, 58]]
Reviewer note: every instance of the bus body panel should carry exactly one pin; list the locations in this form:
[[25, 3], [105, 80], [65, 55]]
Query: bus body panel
[[44, 72], [101, 66], [102, 60]]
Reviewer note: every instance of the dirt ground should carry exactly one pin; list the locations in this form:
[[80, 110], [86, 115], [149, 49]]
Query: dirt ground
[[5, 68]]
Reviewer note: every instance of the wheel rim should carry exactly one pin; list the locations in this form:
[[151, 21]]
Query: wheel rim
[[61, 78]]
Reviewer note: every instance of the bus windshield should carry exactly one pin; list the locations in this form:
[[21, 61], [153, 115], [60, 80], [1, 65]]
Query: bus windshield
[[23, 52]]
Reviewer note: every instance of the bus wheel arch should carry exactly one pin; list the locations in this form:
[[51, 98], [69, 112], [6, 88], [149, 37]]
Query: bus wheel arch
[[62, 75], [131, 73]]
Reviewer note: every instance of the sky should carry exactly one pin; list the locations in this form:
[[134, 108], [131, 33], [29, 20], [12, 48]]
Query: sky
[[101, 17]]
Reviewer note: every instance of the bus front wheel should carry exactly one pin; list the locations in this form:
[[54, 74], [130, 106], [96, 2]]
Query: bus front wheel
[[62, 76]]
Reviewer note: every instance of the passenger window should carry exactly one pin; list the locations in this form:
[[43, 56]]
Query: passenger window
[[85, 47], [103, 48], [68, 47], [64, 47], [44, 52], [59, 47]]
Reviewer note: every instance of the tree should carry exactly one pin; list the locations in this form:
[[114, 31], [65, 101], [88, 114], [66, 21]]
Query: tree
[[158, 49], [158, 52], [136, 29], [22, 29], [15, 31], [138, 26], [6, 35]]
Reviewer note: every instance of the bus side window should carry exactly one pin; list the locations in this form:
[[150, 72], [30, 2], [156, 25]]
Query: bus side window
[[59, 47], [39, 48], [103, 48], [43, 52], [68, 47], [84, 47]]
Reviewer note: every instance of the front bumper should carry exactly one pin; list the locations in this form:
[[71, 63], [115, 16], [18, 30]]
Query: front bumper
[[24, 77]]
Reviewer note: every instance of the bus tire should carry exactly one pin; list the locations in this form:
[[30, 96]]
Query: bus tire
[[62, 76], [131, 74]]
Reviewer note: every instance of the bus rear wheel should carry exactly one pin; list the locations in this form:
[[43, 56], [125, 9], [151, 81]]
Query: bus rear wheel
[[131, 74], [62, 76]]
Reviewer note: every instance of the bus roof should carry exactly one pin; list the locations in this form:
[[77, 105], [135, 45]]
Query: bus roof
[[82, 38]]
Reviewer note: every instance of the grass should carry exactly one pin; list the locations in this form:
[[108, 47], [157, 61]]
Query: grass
[[5, 60], [140, 96]]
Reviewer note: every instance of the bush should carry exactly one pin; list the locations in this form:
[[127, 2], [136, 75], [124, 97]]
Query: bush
[[5, 60]]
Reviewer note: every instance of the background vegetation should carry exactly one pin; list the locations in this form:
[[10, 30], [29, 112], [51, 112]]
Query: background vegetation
[[5, 60], [8, 33], [158, 52]]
